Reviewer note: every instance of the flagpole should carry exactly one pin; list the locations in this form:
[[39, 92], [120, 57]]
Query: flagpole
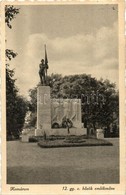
[[45, 59]]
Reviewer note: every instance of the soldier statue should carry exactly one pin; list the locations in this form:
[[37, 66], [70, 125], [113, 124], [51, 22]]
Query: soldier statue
[[43, 72], [43, 66]]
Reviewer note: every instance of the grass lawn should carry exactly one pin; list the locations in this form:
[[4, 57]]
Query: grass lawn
[[29, 164]]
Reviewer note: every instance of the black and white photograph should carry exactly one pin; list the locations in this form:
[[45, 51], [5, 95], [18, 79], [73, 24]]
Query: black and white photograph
[[62, 97]]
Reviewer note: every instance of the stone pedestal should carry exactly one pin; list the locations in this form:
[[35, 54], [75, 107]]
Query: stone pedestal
[[64, 131], [43, 110], [100, 134]]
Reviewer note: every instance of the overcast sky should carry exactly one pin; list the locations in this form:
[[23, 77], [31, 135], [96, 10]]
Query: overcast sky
[[79, 38]]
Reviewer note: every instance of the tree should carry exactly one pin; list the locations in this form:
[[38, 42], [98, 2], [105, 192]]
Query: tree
[[16, 106]]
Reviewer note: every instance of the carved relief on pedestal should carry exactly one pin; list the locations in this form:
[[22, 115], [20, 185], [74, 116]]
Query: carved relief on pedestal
[[67, 108]]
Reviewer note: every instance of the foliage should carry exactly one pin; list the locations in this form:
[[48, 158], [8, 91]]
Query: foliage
[[33, 97], [10, 13], [16, 106], [10, 54], [33, 120]]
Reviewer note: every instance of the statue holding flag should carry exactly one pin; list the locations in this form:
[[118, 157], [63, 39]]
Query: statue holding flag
[[43, 66]]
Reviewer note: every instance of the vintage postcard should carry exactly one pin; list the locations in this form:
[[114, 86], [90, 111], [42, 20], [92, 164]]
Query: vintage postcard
[[63, 111]]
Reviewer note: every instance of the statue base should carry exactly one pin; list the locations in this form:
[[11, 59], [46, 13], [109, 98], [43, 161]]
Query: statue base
[[43, 109]]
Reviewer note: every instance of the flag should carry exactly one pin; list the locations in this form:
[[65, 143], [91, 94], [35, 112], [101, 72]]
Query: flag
[[46, 59]]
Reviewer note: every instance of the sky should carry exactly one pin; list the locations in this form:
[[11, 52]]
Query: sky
[[79, 39]]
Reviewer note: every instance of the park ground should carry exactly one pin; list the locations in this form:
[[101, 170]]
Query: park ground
[[27, 163]]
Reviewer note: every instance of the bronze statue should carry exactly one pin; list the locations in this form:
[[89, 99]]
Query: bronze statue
[[43, 72], [43, 66]]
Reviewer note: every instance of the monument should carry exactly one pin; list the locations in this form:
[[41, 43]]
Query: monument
[[43, 100], [54, 114]]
